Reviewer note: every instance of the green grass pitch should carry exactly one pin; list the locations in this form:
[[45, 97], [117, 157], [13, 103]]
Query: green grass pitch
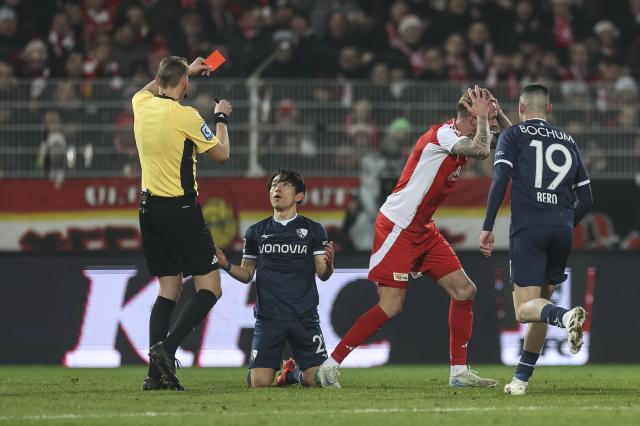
[[391, 396]]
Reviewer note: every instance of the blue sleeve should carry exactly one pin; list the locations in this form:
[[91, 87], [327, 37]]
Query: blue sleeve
[[582, 188], [582, 177], [250, 250], [506, 148], [583, 202], [501, 174], [320, 239]]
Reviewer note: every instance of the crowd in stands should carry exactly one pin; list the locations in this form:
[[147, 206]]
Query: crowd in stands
[[481, 40], [588, 50]]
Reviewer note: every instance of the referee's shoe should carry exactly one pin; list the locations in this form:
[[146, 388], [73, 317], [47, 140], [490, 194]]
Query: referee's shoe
[[167, 365]]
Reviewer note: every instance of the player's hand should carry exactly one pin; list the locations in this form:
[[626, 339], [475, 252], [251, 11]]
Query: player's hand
[[222, 258], [223, 106], [480, 103], [199, 67], [329, 251], [494, 104], [486, 243]]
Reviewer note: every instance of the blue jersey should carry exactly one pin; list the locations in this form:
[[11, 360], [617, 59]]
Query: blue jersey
[[546, 167], [285, 266]]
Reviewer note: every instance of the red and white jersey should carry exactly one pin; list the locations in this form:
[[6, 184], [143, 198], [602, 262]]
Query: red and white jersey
[[427, 178]]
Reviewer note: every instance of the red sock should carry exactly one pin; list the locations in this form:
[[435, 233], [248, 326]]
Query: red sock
[[366, 326], [460, 325]]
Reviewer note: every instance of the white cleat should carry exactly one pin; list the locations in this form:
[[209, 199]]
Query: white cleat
[[573, 321], [327, 376], [470, 378], [516, 387]]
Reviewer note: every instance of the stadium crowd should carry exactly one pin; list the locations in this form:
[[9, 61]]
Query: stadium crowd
[[59, 56], [482, 40]]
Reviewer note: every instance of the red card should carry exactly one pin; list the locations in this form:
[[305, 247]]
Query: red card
[[215, 60]]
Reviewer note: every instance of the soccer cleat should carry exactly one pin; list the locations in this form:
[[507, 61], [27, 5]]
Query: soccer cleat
[[287, 367], [153, 383], [470, 379], [574, 320], [167, 365], [327, 376], [516, 387]]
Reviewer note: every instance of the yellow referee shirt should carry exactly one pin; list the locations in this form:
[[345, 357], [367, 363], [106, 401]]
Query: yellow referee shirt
[[168, 137]]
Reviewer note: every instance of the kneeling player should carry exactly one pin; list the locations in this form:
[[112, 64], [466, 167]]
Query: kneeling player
[[288, 250]]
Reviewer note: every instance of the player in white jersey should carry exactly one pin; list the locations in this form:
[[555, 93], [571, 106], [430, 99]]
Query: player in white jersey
[[407, 242]]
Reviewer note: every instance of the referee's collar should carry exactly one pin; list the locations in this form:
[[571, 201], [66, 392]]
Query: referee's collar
[[166, 97]]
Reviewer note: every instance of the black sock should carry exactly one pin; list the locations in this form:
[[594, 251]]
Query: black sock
[[159, 325], [296, 376], [552, 314], [527, 363], [190, 316]]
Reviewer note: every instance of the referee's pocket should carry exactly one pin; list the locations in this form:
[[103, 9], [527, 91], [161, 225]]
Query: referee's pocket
[[192, 215]]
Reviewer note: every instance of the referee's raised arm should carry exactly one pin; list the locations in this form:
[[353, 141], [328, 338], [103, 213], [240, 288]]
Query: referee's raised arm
[[221, 151]]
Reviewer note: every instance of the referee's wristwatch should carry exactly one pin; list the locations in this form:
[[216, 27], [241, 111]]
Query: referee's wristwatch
[[221, 117]]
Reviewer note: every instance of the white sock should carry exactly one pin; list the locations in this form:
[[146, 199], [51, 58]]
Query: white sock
[[458, 369], [330, 362]]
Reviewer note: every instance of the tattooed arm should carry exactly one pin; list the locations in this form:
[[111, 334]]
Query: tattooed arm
[[503, 120], [478, 147]]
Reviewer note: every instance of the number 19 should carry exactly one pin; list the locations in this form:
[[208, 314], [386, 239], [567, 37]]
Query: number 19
[[560, 169]]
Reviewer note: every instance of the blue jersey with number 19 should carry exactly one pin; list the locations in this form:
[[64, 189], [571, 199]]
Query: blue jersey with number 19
[[546, 167]]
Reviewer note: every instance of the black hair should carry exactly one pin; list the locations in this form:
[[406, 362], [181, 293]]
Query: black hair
[[290, 176], [536, 89]]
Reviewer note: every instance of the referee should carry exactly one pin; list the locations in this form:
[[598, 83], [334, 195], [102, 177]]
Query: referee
[[176, 240]]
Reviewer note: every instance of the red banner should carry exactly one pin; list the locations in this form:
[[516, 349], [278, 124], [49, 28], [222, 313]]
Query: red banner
[[101, 214]]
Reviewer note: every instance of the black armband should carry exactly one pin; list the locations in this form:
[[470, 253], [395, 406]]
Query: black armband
[[221, 117], [228, 267]]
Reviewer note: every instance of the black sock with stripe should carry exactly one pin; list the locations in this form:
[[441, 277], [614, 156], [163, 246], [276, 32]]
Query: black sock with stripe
[[190, 316]]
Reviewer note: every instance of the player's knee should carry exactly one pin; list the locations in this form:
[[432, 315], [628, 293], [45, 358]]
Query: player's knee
[[218, 293], [391, 307], [468, 292], [257, 382], [519, 311], [257, 379]]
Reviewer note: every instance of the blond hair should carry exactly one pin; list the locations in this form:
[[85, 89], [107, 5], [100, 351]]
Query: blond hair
[[171, 70]]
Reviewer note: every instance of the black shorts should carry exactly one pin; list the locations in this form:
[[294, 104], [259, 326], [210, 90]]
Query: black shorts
[[538, 255], [175, 237], [304, 336]]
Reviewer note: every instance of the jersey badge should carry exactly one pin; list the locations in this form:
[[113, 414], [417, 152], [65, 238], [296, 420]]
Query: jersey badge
[[206, 132], [302, 232], [399, 276]]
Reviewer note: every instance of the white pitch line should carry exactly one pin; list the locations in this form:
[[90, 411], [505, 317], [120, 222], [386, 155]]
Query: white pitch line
[[435, 410], [85, 416]]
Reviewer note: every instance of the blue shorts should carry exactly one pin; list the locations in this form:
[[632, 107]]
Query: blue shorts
[[538, 255], [304, 336]]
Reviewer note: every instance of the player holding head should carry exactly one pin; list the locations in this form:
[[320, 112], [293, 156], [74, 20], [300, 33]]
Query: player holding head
[[288, 251], [550, 194], [407, 242]]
